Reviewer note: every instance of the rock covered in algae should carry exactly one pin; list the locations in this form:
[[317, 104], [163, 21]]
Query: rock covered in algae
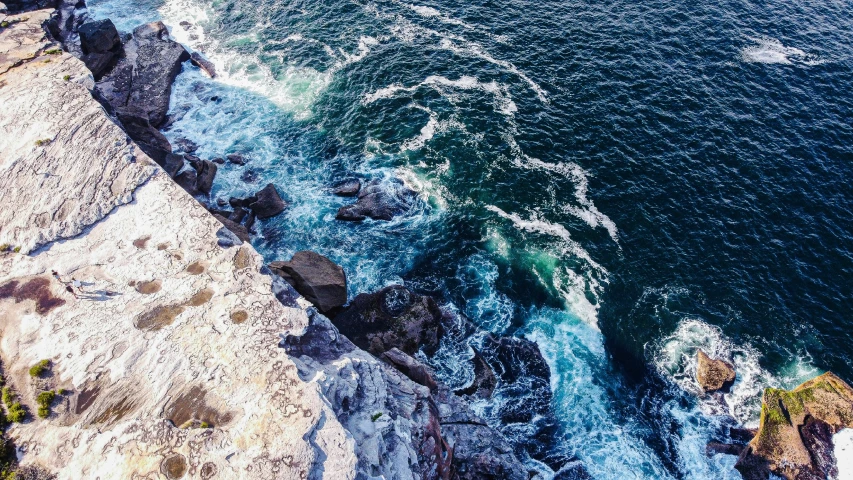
[[794, 439]]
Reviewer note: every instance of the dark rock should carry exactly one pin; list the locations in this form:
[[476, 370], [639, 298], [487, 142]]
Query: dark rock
[[206, 173], [219, 161], [715, 448], [241, 202], [185, 145], [237, 158], [149, 139], [742, 434], [519, 363], [347, 188], [268, 203], [215, 98], [321, 281], [321, 341], [484, 382], [714, 375], [393, 317], [172, 164], [250, 222], [235, 228], [221, 202], [188, 180], [410, 367], [18, 6], [249, 176], [99, 36], [99, 63], [380, 201], [204, 64], [238, 215], [142, 79]]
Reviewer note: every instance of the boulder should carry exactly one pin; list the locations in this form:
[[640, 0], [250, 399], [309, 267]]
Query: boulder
[[393, 317], [188, 181], [142, 79], [206, 172], [348, 187], [99, 36], [204, 64], [320, 280], [714, 375], [99, 63], [172, 164], [380, 201], [794, 438], [150, 140], [237, 158], [185, 145], [268, 203]]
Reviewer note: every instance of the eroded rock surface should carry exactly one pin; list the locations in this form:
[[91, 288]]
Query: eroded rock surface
[[321, 281], [714, 374], [794, 439]]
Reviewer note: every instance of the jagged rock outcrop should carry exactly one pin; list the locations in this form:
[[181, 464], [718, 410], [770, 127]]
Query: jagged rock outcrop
[[348, 187], [268, 202], [794, 439], [714, 374], [175, 322], [379, 200], [101, 45], [393, 317], [320, 280]]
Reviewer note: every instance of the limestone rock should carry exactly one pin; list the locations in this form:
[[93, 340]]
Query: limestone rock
[[714, 375], [320, 280], [55, 186], [268, 203], [393, 317], [794, 439], [380, 201]]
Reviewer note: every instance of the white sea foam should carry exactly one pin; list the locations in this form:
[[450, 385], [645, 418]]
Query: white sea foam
[[503, 101], [843, 442], [675, 359], [772, 51]]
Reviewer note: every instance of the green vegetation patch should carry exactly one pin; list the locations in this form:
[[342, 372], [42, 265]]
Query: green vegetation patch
[[40, 368]]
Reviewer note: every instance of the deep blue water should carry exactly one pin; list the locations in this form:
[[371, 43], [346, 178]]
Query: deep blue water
[[622, 182]]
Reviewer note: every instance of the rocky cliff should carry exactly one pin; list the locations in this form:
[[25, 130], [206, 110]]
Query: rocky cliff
[[142, 339]]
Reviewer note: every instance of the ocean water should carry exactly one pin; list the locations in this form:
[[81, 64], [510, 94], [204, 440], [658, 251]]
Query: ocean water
[[621, 182]]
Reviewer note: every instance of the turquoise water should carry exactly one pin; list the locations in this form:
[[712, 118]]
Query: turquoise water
[[621, 182]]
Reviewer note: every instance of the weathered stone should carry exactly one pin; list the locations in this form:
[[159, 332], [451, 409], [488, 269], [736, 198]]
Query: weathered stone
[[794, 439], [99, 36], [347, 188], [484, 382], [142, 80], [188, 181], [714, 375], [393, 317], [321, 281], [380, 201], [149, 139], [237, 158], [206, 172], [268, 203], [717, 448], [408, 366], [204, 64], [172, 164]]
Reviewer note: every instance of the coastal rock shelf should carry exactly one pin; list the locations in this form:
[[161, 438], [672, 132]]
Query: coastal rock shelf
[[169, 352]]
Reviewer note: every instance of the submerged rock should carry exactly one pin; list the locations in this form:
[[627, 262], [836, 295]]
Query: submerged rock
[[320, 280], [794, 439], [393, 317], [380, 201], [410, 367], [714, 375]]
